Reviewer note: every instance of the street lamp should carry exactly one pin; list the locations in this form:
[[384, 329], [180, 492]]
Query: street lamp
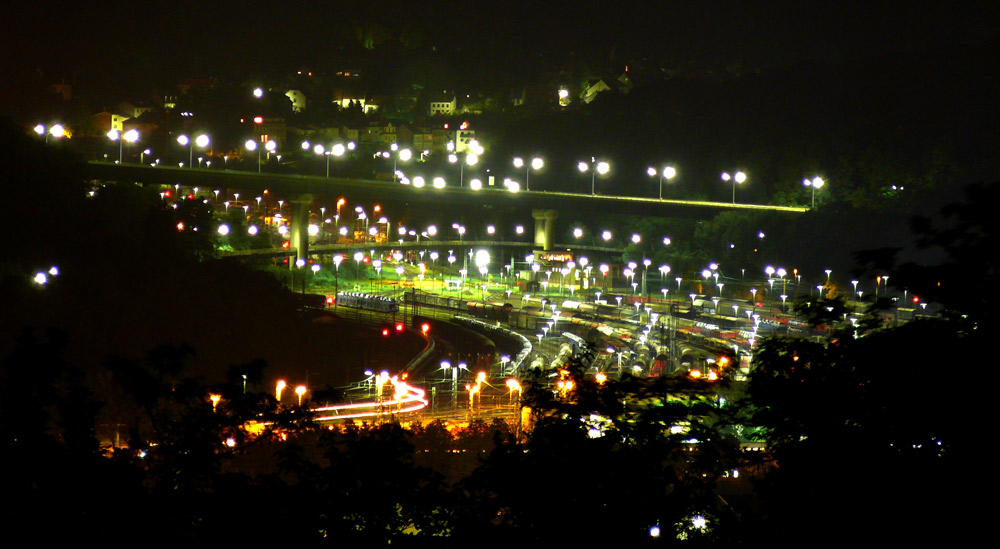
[[595, 168], [668, 173], [738, 177], [664, 271], [403, 155], [337, 150], [646, 263], [56, 130], [536, 164], [278, 389], [131, 136], [814, 183], [201, 141], [251, 146], [471, 159]]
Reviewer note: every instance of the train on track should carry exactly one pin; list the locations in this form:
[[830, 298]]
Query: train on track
[[367, 302]]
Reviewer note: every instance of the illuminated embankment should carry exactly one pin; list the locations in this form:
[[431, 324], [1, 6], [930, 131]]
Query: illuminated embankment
[[405, 398]]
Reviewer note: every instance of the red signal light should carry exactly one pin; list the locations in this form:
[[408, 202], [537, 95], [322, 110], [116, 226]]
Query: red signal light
[[365, 260], [329, 300], [399, 326], [385, 332], [916, 299], [425, 327], [190, 196], [285, 246], [167, 193]]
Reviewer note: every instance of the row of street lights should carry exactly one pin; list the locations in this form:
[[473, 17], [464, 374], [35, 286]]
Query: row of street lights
[[594, 166]]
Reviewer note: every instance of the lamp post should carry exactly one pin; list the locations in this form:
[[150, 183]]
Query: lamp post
[[56, 130], [270, 147], [814, 183], [738, 177], [394, 152], [595, 168], [131, 136], [536, 164], [645, 263], [668, 173], [278, 389], [201, 141], [471, 159], [337, 150], [664, 271]]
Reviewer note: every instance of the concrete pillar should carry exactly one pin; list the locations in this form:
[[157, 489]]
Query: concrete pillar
[[545, 225], [299, 230]]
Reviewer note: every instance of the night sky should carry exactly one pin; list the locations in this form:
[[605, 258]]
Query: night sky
[[145, 44]]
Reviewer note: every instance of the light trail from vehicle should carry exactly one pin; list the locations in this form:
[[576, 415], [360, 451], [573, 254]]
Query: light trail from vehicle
[[406, 398]]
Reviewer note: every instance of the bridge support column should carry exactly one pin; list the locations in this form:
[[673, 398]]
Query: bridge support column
[[545, 227], [299, 233]]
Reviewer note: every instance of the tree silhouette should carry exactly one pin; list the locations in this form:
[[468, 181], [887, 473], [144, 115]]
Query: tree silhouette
[[879, 423]]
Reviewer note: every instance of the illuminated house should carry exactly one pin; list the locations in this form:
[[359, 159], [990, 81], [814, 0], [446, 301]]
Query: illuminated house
[[441, 104], [106, 121]]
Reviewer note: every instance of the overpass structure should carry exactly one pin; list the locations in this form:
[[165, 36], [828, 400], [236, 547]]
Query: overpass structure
[[544, 205]]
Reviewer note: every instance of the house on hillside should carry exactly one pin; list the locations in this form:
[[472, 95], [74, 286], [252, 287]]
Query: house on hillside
[[442, 104], [146, 124], [298, 100], [346, 96], [421, 138], [623, 84], [266, 128], [538, 96], [106, 121], [132, 110]]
